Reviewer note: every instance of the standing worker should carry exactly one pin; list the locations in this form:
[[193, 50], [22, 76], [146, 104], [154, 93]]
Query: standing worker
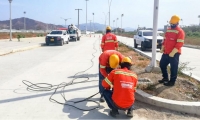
[[109, 41], [171, 49], [108, 61], [120, 87]]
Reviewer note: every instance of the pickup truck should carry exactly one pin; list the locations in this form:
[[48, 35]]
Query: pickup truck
[[57, 37], [144, 39]]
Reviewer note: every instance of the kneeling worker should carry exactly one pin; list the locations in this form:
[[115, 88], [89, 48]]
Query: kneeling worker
[[108, 61], [120, 86]]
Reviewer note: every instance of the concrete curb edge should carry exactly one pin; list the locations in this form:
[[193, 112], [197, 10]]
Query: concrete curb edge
[[21, 49], [180, 106]]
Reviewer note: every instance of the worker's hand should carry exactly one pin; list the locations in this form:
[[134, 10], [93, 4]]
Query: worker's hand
[[162, 49], [111, 86], [174, 51]]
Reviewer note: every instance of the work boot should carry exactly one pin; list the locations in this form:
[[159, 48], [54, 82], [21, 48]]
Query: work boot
[[170, 83], [130, 113], [102, 99], [163, 80], [113, 113]]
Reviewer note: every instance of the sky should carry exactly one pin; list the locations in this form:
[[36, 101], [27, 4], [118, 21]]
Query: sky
[[136, 12]]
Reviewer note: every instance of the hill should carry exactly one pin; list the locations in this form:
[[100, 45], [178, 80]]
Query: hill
[[31, 24]]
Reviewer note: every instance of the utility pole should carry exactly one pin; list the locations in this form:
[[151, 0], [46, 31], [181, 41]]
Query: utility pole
[[24, 21], [109, 4], [78, 17], [93, 21], [121, 22], [116, 25], [153, 64], [90, 25], [10, 21], [199, 19], [86, 17], [113, 24]]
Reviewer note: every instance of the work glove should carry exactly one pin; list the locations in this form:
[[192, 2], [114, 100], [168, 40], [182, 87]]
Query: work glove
[[173, 52], [162, 49]]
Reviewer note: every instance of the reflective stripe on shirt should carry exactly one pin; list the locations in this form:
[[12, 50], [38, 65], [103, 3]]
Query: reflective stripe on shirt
[[126, 73], [174, 31], [109, 41], [180, 40], [101, 66], [108, 81]]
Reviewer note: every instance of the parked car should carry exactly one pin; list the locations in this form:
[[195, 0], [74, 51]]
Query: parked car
[[144, 39], [57, 37]]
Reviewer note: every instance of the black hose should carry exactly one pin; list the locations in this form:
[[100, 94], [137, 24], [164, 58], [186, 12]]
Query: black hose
[[50, 87]]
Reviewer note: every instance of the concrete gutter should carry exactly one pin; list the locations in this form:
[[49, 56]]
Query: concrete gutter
[[180, 106], [20, 49]]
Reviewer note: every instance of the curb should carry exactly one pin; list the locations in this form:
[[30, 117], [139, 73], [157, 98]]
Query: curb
[[21, 49], [192, 46], [180, 106]]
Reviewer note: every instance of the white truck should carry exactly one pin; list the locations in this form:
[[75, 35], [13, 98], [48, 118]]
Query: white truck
[[73, 32], [144, 39], [58, 37]]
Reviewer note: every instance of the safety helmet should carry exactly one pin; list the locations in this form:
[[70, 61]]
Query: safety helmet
[[174, 19], [127, 60], [108, 28], [114, 61]]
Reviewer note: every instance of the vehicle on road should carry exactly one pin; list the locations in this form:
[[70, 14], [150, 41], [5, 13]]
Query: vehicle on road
[[58, 37], [144, 38], [74, 33]]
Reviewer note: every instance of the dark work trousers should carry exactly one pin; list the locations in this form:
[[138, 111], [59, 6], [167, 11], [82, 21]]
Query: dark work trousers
[[107, 94], [101, 78], [173, 61]]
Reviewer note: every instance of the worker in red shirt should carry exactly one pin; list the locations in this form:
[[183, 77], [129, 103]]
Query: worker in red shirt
[[171, 49], [119, 88], [109, 40], [108, 61]]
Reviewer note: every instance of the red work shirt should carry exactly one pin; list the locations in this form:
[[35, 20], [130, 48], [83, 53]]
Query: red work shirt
[[109, 42], [174, 38], [104, 60], [124, 84]]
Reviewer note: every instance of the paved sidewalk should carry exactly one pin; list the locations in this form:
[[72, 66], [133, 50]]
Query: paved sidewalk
[[7, 46], [190, 55]]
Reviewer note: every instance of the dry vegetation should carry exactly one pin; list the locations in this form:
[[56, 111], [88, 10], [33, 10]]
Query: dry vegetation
[[23, 35], [185, 89]]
